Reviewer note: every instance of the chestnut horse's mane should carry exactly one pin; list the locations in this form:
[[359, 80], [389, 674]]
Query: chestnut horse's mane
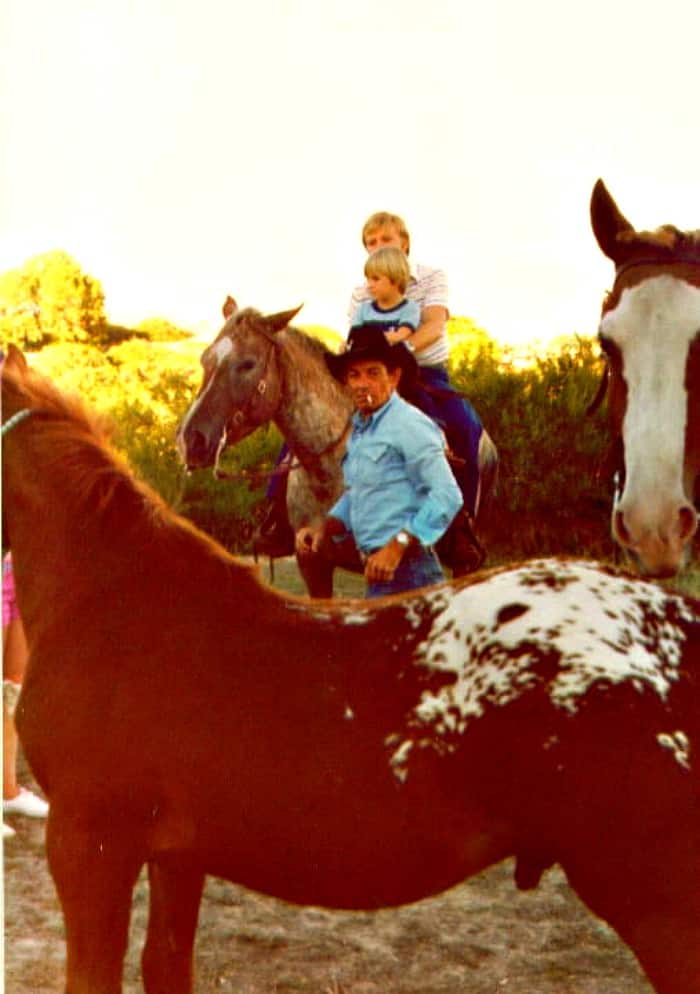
[[78, 440]]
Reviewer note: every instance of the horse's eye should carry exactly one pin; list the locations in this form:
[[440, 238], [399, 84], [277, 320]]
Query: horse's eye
[[245, 366]]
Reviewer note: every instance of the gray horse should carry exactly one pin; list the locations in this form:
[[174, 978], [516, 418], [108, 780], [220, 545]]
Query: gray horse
[[260, 369]]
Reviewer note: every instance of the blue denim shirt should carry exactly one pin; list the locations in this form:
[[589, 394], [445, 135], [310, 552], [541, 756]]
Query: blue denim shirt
[[396, 476]]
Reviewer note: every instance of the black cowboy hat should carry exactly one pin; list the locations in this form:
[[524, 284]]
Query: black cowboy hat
[[367, 341]]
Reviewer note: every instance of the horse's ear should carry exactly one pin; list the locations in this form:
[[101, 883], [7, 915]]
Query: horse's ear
[[229, 307], [277, 322], [608, 223], [15, 358]]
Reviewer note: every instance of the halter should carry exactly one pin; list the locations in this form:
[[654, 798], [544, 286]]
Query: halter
[[688, 258], [240, 414], [15, 420]]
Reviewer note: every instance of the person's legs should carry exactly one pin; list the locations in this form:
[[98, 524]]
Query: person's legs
[[462, 426], [16, 799], [418, 569], [14, 659]]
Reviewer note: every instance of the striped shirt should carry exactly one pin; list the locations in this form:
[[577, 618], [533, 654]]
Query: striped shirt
[[428, 287]]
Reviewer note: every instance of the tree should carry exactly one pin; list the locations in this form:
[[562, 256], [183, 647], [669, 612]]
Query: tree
[[50, 299]]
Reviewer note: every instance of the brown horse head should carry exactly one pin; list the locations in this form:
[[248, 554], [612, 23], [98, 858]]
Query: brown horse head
[[650, 332], [240, 387]]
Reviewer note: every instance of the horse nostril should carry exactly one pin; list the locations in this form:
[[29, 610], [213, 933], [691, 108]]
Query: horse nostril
[[196, 444], [620, 529], [688, 522]]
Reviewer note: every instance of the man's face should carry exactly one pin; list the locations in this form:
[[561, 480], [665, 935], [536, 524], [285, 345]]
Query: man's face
[[386, 235], [370, 384]]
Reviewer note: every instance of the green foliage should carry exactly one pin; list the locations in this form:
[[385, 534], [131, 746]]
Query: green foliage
[[229, 508], [160, 330], [468, 341], [551, 497], [50, 299]]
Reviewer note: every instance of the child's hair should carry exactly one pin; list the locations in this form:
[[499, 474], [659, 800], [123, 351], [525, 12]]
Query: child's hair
[[382, 219], [390, 262]]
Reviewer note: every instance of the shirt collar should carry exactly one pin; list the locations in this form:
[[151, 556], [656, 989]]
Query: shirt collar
[[361, 424]]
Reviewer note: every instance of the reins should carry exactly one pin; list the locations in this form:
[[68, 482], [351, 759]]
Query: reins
[[244, 474]]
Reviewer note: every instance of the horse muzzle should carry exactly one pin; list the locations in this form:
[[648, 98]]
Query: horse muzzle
[[660, 545]]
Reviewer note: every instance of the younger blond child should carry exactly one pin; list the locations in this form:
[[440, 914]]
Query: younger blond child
[[387, 274]]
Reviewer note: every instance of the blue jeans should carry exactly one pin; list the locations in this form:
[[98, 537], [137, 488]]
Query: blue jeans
[[460, 422], [418, 568]]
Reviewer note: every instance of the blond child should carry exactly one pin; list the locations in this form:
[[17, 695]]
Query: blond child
[[387, 274]]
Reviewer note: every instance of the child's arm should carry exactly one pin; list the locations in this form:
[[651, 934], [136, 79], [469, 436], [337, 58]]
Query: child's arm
[[409, 319], [399, 334]]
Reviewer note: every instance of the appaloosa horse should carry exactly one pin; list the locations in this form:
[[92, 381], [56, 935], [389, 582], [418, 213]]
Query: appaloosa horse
[[350, 754], [650, 332], [260, 369]]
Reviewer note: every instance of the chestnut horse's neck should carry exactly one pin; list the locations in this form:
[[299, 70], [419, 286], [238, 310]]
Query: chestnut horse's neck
[[80, 526], [314, 410]]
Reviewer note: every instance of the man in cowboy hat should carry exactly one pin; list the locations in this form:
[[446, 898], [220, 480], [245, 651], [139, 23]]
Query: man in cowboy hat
[[400, 494]]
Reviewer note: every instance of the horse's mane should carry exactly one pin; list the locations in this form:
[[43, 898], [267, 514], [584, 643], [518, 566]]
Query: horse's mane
[[666, 237], [78, 440], [309, 343]]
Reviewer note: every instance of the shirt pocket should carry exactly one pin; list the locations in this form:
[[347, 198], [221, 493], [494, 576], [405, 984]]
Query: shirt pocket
[[380, 465]]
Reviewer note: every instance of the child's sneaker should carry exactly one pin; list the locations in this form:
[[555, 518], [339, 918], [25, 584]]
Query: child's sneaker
[[26, 803]]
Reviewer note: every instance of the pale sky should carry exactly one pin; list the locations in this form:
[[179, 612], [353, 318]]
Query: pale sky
[[181, 151]]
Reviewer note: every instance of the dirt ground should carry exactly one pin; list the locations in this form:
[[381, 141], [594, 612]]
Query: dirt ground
[[483, 937]]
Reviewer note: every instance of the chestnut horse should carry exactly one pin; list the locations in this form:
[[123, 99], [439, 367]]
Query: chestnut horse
[[650, 332], [260, 369], [358, 755]]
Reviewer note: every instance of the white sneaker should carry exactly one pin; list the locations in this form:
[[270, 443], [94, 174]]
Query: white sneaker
[[7, 832], [27, 804]]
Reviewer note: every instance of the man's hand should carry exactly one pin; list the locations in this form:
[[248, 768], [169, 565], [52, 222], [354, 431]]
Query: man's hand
[[308, 540], [382, 564]]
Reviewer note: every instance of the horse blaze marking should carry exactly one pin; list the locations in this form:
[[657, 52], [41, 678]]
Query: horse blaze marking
[[649, 329], [221, 349]]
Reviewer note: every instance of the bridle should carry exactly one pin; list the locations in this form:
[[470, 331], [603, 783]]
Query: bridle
[[17, 418], [294, 464], [245, 412]]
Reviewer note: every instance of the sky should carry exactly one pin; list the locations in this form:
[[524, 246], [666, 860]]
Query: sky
[[181, 151]]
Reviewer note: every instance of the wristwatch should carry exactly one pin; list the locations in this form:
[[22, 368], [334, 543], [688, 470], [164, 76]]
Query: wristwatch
[[403, 538]]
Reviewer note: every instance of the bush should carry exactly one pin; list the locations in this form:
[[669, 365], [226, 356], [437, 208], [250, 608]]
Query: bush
[[551, 497]]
